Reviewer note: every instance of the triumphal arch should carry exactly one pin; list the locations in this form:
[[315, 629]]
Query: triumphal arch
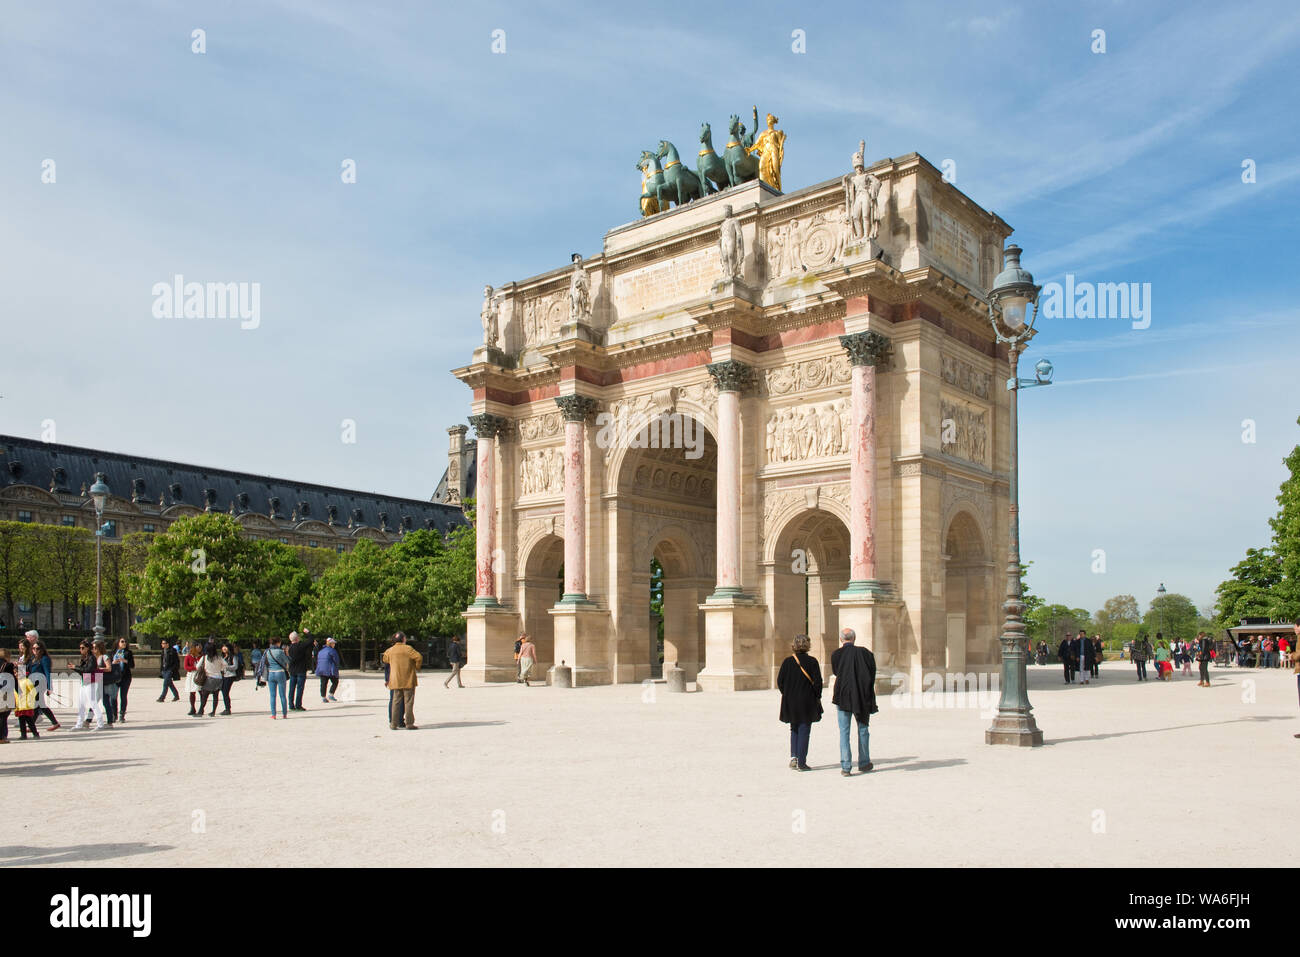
[[790, 405]]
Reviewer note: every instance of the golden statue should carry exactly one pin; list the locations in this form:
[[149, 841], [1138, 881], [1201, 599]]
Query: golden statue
[[770, 147]]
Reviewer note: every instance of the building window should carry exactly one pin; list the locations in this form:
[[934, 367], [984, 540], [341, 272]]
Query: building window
[[147, 527], [284, 541], [24, 515], [340, 549], [69, 521], [312, 543], [110, 528]]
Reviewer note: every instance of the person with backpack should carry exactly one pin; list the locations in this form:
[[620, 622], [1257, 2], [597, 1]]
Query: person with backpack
[[800, 684]]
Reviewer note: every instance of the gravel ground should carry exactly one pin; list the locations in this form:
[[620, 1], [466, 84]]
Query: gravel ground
[[1132, 774]]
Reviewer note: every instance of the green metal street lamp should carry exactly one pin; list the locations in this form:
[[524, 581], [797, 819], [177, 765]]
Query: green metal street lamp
[[99, 493], [1013, 300], [1160, 593]]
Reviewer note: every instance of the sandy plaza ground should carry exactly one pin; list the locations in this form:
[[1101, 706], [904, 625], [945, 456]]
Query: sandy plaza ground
[[1132, 774]]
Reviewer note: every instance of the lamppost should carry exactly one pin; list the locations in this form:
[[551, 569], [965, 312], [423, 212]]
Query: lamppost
[[1160, 594], [99, 492], [1012, 296]]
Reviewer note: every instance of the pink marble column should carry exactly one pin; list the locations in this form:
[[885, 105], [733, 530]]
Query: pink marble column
[[865, 350], [732, 378], [576, 409], [488, 428]]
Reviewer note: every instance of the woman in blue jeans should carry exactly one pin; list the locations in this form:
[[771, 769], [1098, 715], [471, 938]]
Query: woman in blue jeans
[[800, 684], [277, 676]]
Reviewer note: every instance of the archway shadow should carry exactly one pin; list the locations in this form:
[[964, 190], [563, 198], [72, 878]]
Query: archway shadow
[[1179, 727], [23, 856]]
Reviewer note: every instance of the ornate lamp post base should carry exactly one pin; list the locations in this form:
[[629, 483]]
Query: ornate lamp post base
[[1017, 729]]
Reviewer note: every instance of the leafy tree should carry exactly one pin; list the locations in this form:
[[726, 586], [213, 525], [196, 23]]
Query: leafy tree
[[356, 597], [316, 560], [1031, 600], [449, 590], [11, 551], [1051, 623], [1174, 615], [70, 565], [202, 577], [1285, 603], [1117, 610]]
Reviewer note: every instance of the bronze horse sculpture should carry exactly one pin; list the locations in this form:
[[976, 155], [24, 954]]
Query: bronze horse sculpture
[[741, 166], [711, 169], [680, 185]]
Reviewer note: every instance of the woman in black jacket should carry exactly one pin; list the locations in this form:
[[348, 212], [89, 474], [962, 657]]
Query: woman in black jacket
[[123, 664], [800, 684]]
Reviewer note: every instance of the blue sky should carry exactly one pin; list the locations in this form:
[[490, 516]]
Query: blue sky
[[474, 167]]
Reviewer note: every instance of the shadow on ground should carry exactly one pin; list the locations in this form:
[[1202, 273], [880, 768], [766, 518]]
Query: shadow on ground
[[1177, 727], [56, 767], [20, 856]]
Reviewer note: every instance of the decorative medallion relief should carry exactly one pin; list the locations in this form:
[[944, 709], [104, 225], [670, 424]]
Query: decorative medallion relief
[[543, 317], [541, 426], [963, 431], [966, 377], [803, 432], [807, 243], [541, 472], [809, 375]]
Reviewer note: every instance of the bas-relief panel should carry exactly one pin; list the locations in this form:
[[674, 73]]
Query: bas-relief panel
[[963, 430], [541, 472], [803, 432], [963, 375]]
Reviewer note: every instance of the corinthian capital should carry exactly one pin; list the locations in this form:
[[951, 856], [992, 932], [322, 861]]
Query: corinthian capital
[[489, 426], [866, 348], [576, 408], [731, 376]]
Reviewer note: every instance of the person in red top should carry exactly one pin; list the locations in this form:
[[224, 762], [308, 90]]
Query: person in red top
[[191, 662]]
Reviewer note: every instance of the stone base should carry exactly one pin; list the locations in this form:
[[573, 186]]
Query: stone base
[[862, 249], [733, 645], [490, 633], [873, 614], [1014, 729], [582, 642]]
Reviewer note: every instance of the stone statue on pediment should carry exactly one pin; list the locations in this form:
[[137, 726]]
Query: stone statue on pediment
[[579, 292], [731, 247], [490, 314], [862, 200]]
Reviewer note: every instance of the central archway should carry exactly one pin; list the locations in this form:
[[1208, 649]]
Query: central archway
[[663, 507], [809, 569]]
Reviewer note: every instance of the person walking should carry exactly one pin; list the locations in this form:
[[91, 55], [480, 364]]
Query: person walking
[[211, 669], [124, 666], [404, 664], [1098, 653], [275, 666], [518, 642], [800, 684], [234, 662], [259, 673], [1065, 655], [40, 665], [527, 658], [1203, 656], [191, 664], [327, 669], [9, 677], [456, 656], [169, 670], [854, 696], [299, 658], [1188, 651], [25, 700], [90, 697], [1141, 652]]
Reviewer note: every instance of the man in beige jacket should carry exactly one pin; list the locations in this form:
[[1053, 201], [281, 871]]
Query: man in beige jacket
[[403, 667]]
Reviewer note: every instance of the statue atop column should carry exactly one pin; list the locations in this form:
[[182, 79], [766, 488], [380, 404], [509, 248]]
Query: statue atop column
[[862, 203], [770, 147], [579, 293], [491, 311], [731, 247]]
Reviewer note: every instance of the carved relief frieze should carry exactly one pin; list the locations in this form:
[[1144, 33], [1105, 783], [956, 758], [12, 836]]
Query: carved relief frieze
[[810, 431]]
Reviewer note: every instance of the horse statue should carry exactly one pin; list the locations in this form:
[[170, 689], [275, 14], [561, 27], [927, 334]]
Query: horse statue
[[741, 166], [652, 177], [710, 166], [680, 184]]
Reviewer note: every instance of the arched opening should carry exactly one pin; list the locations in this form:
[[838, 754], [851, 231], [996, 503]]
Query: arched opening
[[968, 595], [810, 567], [543, 584], [664, 528]]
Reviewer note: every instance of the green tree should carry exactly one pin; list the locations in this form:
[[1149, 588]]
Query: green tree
[[11, 552], [1051, 623], [1285, 594], [70, 562], [1174, 615], [202, 577], [1117, 610], [449, 589], [316, 560], [359, 597]]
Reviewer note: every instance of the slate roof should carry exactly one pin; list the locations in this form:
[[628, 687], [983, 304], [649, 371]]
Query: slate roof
[[32, 462]]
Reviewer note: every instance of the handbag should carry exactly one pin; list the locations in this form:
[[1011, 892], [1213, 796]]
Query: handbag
[[200, 674]]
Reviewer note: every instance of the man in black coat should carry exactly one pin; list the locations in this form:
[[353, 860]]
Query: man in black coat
[[1065, 654], [299, 659], [854, 669], [1085, 655], [170, 670]]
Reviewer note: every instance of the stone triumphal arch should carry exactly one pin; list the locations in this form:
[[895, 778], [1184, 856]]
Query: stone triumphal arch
[[799, 423]]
